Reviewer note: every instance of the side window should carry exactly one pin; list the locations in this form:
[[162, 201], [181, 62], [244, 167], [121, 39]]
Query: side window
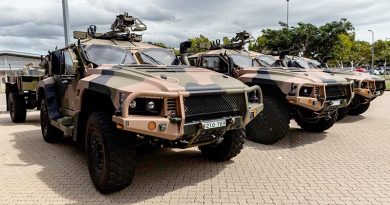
[[193, 61], [214, 63], [68, 63], [55, 63]]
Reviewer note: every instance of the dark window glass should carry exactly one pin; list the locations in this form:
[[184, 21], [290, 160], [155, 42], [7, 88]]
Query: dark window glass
[[158, 56], [105, 54]]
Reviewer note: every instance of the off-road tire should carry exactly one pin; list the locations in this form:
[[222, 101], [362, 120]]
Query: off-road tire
[[50, 133], [230, 147], [271, 125], [318, 126], [110, 154], [17, 108], [342, 113], [359, 109]]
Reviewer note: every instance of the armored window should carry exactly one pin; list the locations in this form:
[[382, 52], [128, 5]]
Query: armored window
[[301, 62], [158, 56], [193, 61], [267, 60], [243, 61], [106, 54], [68, 63], [214, 63]]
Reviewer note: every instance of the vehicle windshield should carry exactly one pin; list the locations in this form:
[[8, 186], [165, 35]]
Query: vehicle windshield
[[158, 56], [243, 61], [302, 62], [267, 60], [106, 54], [315, 64]]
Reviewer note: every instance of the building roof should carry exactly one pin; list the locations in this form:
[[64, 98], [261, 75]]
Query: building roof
[[21, 54]]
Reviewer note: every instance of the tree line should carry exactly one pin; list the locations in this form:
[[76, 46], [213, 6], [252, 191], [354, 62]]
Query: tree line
[[333, 43]]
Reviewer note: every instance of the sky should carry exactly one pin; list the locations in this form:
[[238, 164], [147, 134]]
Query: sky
[[36, 26]]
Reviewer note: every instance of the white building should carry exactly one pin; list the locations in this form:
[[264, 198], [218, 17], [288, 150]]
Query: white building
[[11, 61]]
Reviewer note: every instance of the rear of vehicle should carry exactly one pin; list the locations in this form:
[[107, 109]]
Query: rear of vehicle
[[21, 95]]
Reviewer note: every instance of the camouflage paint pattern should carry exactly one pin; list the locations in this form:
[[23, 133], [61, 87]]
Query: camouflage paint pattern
[[125, 83], [289, 80]]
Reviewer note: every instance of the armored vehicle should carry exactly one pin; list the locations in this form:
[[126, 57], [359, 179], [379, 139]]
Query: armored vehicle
[[366, 87], [105, 98], [310, 97], [20, 90]]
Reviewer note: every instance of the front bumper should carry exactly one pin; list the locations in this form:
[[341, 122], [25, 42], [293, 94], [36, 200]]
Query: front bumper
[[172, 127], [319, 101]]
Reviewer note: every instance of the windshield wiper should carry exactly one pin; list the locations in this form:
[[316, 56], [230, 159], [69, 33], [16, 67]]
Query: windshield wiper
[[151, 58]]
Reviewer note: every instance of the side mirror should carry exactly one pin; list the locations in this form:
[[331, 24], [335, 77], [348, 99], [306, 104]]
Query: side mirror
[[184, 46], [230, 65]]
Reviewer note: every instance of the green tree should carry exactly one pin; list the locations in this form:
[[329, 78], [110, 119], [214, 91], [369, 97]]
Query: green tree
[[360, 53], [198, 44], [226, 40], [342, 48]]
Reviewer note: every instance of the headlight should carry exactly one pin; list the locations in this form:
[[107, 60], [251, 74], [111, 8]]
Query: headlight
[[305, 91], [151, 105], [146, 106], [133, 104]]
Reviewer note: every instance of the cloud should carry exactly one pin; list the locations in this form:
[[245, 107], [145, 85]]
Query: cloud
[[36, 26]]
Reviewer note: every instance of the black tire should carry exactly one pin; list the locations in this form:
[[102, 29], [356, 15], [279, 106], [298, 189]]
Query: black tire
[[271, 125], [110, 155], [342, 113], [319, 125], [17, 108], [359, 109], [230, 147], [50, 133]]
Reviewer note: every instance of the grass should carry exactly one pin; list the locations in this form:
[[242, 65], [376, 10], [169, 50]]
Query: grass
[[387, 85]]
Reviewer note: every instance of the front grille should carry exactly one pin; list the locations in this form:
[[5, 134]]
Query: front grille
[[335, 92], [317, 90], [171, 105], [380, 85], [214, 106]]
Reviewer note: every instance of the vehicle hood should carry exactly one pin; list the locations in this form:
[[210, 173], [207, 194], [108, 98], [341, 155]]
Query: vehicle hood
[[128, 79], [353, 75], [290, 75]]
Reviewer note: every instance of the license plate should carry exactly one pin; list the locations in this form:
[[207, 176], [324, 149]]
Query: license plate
[[214, 124], [336, 102]]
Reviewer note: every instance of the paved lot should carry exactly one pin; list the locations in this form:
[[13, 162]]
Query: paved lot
[[349, 164]]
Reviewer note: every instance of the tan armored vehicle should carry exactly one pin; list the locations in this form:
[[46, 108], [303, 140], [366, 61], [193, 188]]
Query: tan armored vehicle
[[108, 100], [310, 97], [366, 87], [20, 90]]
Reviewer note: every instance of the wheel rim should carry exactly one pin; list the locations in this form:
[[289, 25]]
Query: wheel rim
[[44, 120], [97, 152]]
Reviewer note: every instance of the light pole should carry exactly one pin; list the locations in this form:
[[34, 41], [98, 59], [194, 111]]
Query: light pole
[[372, 50], [287, 13], [65, 14]]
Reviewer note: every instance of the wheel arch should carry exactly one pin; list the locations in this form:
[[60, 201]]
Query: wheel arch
[[90, 101]]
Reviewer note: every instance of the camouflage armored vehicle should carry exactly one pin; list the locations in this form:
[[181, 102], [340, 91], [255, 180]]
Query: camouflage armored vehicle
[[310, 97], [100, 94], [366, 87], [20, 90]]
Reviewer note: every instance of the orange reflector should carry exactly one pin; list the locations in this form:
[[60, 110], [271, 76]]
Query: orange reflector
[[119, 126], [152, 125]]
